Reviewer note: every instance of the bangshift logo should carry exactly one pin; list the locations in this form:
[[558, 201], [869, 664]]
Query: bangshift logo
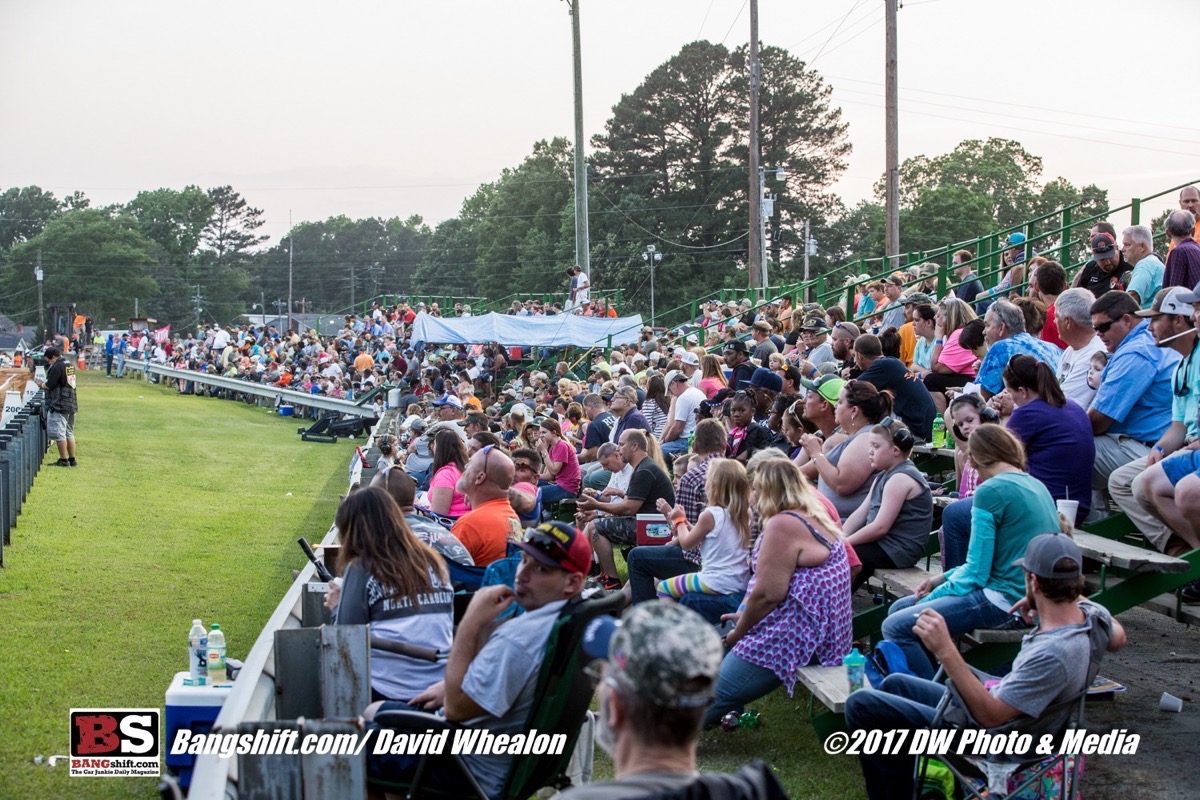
[[115, 742]]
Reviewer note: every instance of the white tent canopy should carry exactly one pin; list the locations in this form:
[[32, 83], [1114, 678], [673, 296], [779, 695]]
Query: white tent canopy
[[560, 330]]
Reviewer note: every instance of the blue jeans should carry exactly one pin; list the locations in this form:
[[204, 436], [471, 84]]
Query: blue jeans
[[963, 614], [675, 447], [656, 562], [712, 606], [553, 493], [739, 683], [901, 701], [956, 532], [440, 772]]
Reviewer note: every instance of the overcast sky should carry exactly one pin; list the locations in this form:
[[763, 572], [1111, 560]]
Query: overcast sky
[[399, 108]]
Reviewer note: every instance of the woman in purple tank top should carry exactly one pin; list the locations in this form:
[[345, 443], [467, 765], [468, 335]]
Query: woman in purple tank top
[[797, 607]]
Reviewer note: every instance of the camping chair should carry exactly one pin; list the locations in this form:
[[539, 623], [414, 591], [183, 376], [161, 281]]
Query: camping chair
[[564, 692], [995, 771]]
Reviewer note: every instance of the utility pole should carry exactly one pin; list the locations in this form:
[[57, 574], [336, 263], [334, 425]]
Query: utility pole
[[755, 253], [892, 115], [291, 249], [583, 255], [37, 273]]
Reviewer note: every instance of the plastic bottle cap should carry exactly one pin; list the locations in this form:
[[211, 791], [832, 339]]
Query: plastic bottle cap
[[216, 626], [195, 622]]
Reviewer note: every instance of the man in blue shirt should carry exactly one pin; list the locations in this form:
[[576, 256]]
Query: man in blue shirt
[[1004, 329], [1137, 244], [1171, 324], [1132, 408]]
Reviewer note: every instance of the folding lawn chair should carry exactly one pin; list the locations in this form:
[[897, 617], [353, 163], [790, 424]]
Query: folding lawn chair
[[564, 692], [987, 778]]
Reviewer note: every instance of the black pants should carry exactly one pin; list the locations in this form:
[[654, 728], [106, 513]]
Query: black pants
[[872, 557], [941, 381]]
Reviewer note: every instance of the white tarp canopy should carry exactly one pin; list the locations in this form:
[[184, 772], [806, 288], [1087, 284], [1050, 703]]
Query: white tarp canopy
[[560, 330]]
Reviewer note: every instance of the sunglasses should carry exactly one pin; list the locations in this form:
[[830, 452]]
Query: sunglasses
[[547, 543], [1104, 326], [902, 437]]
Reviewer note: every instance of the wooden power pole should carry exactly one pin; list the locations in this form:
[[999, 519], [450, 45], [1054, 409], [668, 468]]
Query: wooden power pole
[[892, 226]]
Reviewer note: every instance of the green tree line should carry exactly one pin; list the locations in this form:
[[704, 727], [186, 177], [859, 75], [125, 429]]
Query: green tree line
[[670, 169]]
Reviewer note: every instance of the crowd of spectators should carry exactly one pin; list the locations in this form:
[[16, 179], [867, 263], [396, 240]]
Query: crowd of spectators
[[775, 443]]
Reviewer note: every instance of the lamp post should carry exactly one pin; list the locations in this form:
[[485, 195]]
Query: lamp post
[[767, 207], [651, 257]]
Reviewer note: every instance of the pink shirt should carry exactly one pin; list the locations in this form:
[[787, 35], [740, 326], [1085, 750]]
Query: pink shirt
[[569, 477], [447, 478], [956, 357]]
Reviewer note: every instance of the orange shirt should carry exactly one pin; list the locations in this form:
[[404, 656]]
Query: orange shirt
[[908, 343], [364, 363], [486, 531]]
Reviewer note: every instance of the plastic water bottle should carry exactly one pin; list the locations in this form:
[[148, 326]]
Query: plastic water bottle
[[856, 664], [198, 654], [216, 656]]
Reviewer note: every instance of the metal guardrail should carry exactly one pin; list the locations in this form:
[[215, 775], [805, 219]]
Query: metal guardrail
[[255, 693], [266, 391], [23, 444]]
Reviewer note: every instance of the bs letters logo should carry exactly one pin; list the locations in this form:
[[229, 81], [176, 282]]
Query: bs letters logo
[[115, 741]]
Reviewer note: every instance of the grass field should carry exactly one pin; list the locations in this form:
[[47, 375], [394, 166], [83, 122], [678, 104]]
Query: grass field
[[180, 507]]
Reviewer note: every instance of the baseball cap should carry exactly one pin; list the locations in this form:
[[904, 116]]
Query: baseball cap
[[1045, 550], [814, 322], [557, 544], [828, 386], [736, 346], [663, 652], [689, 358], [628, 392], [763, 325], [1192, 296], [764, 378], [916, 298], [1169, 301], [894, 280], [1103, 245], [675, 375], [449, 400], [1016, 238]]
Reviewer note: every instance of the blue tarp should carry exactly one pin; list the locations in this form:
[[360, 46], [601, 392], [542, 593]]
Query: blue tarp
[[559, 330]]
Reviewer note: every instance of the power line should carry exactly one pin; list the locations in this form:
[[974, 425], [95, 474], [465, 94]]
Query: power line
[[835, 31], [735, 19]]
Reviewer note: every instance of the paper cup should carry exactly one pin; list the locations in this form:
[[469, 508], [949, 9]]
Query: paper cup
[[1169, 702], [1068, 508]]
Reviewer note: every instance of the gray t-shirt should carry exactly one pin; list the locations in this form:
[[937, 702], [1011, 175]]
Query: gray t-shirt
[[1052, 666], [502, 680], [646, 783]]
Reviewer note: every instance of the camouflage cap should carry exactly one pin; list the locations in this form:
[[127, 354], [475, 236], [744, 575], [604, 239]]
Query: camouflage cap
[[663, 652]]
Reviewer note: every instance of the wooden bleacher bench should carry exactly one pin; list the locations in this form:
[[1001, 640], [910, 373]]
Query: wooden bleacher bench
[[902, 582], [828, 685], [1127, 556]]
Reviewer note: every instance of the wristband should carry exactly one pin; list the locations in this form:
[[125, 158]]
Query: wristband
[[938, 341], [1159, 448]]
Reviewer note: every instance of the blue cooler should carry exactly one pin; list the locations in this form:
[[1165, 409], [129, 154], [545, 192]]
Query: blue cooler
[[194, 708]]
